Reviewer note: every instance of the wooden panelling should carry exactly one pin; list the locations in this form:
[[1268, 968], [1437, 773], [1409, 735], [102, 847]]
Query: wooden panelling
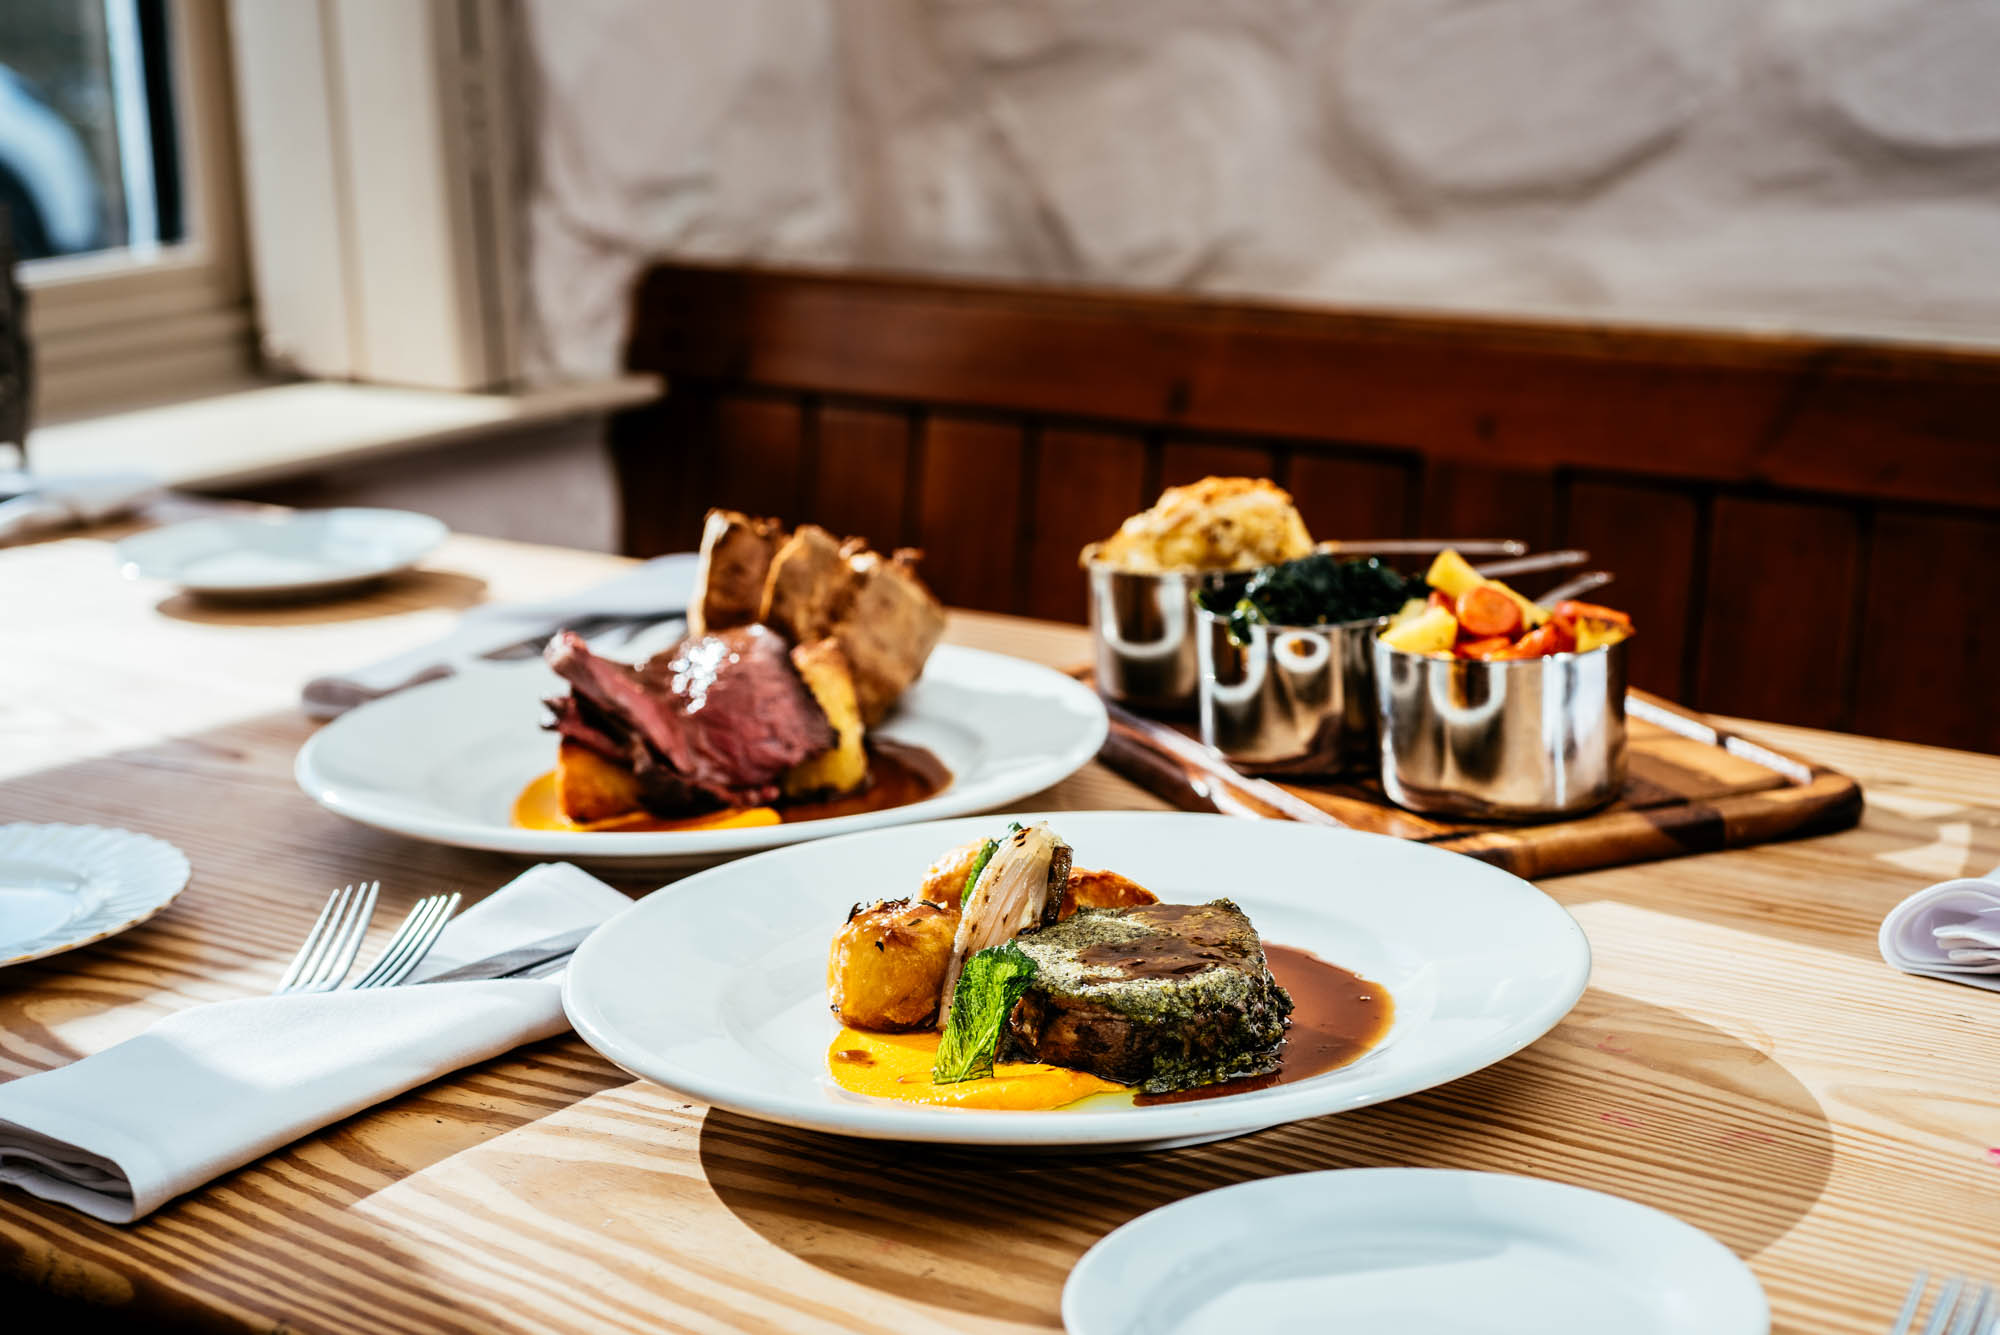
[[1646, 537], [1343, 496], [755, 457], [1910, 424], [970, 515], [1184, 461], [1086, 483], [861, 473], [1930, 661], [1478, 501], [1734, 484], [1778, 622]]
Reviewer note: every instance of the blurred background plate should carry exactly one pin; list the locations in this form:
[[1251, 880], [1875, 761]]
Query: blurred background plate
[[445, 761], [303, 551]]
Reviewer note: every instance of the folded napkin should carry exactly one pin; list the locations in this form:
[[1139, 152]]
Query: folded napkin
[[48, 501], [1950, 931], [659, 588], [123, 1131]]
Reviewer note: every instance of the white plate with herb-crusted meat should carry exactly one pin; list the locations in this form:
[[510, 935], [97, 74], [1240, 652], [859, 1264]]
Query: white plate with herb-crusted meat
[[1076, 979]]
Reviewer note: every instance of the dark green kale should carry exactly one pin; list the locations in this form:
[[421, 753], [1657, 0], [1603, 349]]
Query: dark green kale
[[992, 982], [1316, 590]]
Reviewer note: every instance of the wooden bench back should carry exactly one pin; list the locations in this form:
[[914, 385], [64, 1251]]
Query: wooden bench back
[[1805, 531]]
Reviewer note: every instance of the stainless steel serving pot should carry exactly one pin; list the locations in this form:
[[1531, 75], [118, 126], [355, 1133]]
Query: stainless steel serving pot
[[1520, 739], [1142, 626], [1294, 700]]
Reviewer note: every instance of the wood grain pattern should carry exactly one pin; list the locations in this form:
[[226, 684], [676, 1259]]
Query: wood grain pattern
[[1346, 496], [1908, 423], [1472, 500], [1184, 461], [1647, 537], [1086, 483], [1923, 640], [861, 473], [1780, 610], [1742, 1059], [971, 511]]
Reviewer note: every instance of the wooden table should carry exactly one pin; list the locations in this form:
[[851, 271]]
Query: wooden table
[[1742, 1059]]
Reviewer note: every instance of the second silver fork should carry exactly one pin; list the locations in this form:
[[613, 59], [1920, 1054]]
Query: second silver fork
[[413, 940]]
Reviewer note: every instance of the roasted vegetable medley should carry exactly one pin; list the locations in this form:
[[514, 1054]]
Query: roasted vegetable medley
[[1467, 615]]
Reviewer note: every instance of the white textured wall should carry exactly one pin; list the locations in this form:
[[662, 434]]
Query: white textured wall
[[1830, 166]]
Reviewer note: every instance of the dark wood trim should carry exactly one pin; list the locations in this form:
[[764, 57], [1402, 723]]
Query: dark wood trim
[[1907, 423], [1775, 506]]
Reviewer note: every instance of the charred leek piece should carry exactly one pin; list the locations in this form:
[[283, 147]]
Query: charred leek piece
[[992, 982], [1021, 886]]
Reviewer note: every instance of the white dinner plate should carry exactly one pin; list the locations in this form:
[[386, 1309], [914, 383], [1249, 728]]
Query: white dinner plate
[[716, 986], [1411, 1249], [302, 551], [445, 761], [64, 886]]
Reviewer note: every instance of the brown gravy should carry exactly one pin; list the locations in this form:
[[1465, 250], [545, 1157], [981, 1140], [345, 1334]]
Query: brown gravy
[[1336, 1017], [1165, 956], [898, 774]]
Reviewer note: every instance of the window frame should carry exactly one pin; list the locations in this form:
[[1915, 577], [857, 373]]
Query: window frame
[[128, 327]]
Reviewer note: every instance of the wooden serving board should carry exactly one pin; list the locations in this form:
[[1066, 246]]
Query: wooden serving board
[[1691, 787]]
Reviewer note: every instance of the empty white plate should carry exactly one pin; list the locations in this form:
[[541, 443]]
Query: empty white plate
[[64, 886], [1411, 1250], [303, 551]]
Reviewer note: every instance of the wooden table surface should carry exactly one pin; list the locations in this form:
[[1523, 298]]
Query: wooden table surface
[[1742, 1059]]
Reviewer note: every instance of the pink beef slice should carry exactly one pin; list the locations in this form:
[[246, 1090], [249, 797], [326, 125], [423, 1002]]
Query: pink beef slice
[[724, 714]]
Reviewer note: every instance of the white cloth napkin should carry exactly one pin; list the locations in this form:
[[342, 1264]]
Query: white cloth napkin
[[1950, 931], [125, 1130], [659, 588], [55, 500]]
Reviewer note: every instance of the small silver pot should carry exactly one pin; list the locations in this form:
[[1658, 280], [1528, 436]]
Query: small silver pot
[[1142, 627], [1519, 739], [1294, 700]]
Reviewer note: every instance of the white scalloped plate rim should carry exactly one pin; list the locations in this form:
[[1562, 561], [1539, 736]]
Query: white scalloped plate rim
[[137, 874]]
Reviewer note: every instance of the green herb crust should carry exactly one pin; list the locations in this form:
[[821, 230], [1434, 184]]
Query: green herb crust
[[1162, 996]]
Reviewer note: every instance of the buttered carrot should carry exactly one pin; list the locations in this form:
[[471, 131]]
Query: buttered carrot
[[1494, 646], [1576, 611], [1484, 611]]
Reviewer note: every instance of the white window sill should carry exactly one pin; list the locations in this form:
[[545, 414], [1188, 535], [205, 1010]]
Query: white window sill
[[259, 435]]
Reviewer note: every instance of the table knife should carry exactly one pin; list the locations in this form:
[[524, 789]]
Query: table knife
[[518, 960]]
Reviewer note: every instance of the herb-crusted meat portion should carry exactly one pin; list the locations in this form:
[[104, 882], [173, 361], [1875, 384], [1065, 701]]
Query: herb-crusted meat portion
[[1162, 996]]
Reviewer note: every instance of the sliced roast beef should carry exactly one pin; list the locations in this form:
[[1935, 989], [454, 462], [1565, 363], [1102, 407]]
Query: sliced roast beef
[[574, 718], [724, 715]]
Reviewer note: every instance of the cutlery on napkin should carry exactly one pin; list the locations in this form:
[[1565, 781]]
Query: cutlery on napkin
[[1950, 931], [37, 503], [121, 1132], [659, 588]]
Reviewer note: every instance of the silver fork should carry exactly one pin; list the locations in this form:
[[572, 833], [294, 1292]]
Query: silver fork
[[1957, 1310], [333, 942], [412, 941]]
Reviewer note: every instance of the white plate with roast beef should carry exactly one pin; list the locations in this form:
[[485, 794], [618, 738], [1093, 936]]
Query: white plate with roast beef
[[808, 696], [451, 761], [1076, 979]]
